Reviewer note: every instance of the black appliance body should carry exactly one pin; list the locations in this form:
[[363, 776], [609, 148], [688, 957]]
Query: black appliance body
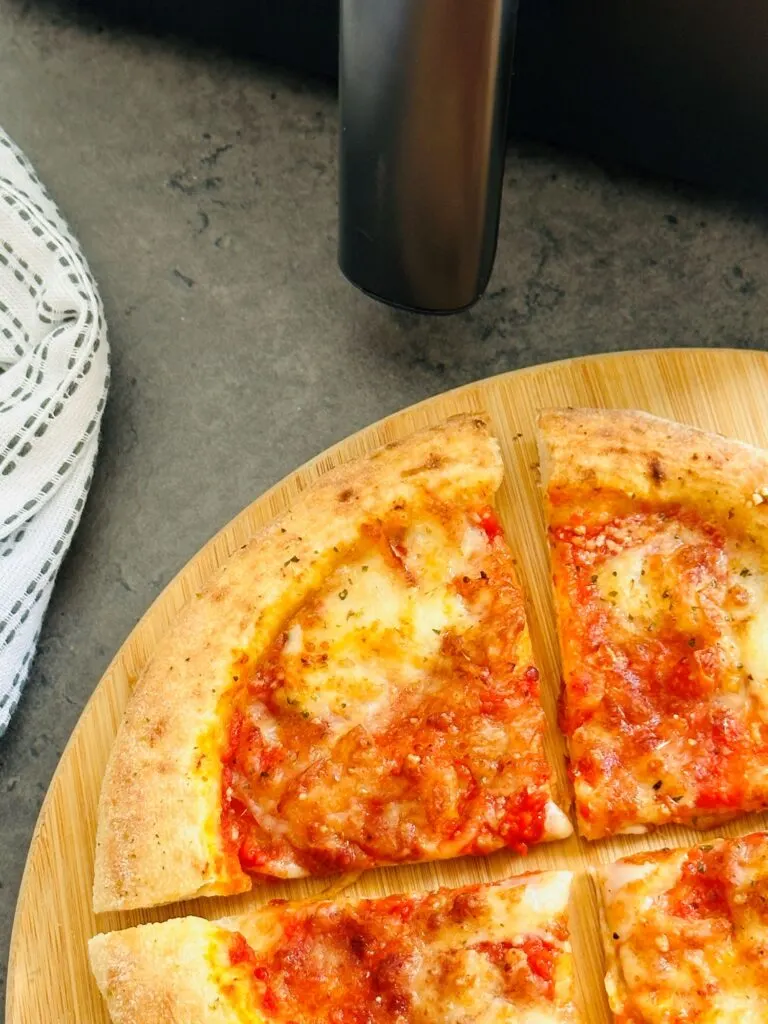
[[678, 87]]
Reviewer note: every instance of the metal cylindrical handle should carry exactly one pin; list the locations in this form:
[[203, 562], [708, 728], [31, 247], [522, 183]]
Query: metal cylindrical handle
[[423, 91]]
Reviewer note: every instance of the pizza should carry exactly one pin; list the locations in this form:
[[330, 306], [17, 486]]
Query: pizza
[[658, 534], [355, 687], [686, 934], [483, 954]]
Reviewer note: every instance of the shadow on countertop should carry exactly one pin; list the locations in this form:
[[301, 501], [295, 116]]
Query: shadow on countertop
[[297, 35]]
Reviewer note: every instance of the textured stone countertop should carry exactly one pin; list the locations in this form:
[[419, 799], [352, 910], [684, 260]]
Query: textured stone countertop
[[204, 193]]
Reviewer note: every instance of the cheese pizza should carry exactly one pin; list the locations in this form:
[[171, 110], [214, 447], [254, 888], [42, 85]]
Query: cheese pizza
[[487, 954], [659, 540], [686, 934], [355, 687]]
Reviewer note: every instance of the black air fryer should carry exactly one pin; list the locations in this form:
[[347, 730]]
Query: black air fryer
[[678, 87]]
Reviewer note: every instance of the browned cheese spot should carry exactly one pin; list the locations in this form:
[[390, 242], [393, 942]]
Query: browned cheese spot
[[433, 461], [655, 470]]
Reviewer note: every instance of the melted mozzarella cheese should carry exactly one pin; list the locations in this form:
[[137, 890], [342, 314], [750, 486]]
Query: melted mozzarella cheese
[[634, 886], [435, 563], [556, 823], [750, 625], [640, 582], [378, 627], [294, 641], [474, 542], [755, 646], [738, 1008], [623, 873], [644, 588], [623, 581], [547, 894]]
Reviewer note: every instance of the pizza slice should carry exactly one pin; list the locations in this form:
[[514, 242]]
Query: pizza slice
[[686, 934], [355, 687], [659, 540], [482, 954]]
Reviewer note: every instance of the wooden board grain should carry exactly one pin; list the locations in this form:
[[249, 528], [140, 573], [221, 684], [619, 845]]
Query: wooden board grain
[[49, 979]]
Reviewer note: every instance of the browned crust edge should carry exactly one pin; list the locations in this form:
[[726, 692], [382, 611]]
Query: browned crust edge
[[656, 460], [613, 979]]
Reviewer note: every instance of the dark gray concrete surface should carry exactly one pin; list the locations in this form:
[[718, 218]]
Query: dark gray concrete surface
[[204, 193]]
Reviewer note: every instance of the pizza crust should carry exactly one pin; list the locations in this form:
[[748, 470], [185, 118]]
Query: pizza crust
[[158, 835], [655, 460]]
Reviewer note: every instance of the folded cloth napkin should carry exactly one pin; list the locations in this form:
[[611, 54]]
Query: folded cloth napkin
[[54, 374]]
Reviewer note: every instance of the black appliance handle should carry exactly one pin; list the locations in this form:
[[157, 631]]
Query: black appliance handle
[[424, 88]]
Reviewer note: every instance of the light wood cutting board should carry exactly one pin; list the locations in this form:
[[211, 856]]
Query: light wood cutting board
[[49, 978]]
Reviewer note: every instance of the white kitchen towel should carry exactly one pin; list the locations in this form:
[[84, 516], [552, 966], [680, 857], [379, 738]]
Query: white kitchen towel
[[54, 374]]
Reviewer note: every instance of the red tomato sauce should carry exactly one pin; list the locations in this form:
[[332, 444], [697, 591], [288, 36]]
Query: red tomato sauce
[[490, 523], [356, 964], [703, 888], [650, 688], [528, 963]]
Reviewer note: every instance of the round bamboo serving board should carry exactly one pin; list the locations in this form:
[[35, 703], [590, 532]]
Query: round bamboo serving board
[[49, 977]]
